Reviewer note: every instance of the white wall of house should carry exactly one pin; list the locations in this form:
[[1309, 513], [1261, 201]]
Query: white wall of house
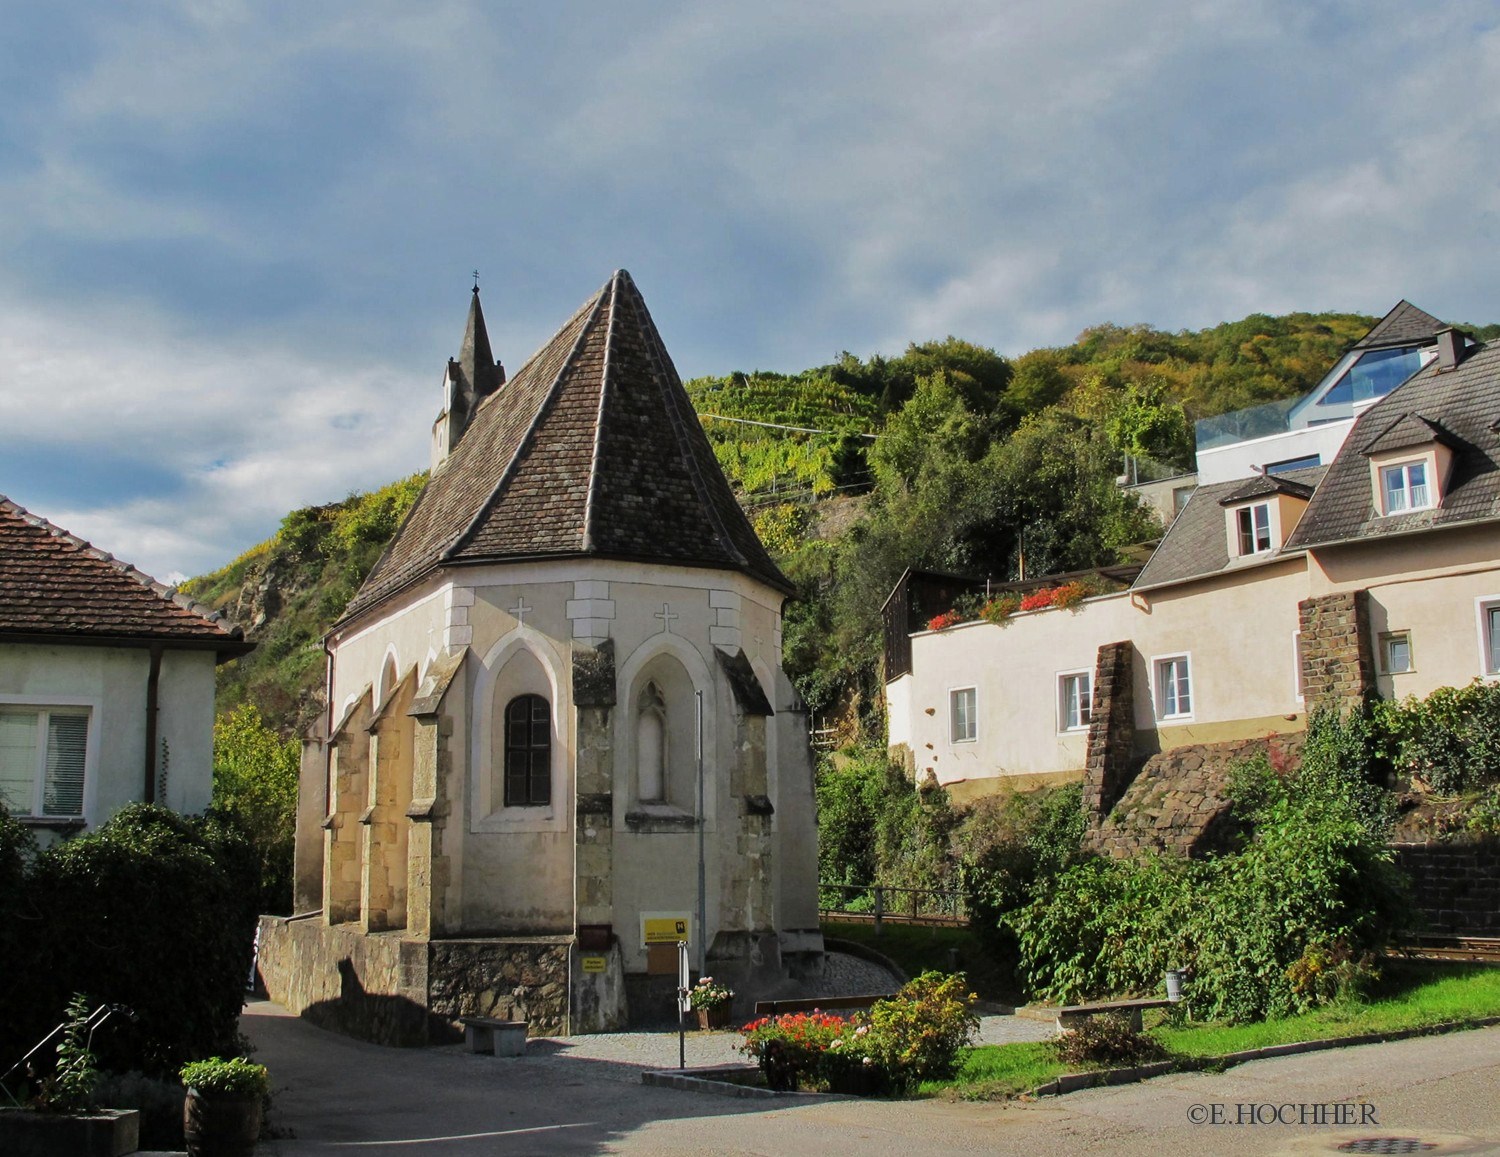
[[1236, 631], [1242, 459], [109, 685], [1433, 588]]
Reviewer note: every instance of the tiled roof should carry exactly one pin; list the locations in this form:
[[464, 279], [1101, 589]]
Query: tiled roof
[[591, 449], [1405, 430], [53, 583], [1264, 484], [1465, 402], [1404, 325], [1197, 544]]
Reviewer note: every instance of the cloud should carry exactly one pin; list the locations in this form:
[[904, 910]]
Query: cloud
[[234, 236]]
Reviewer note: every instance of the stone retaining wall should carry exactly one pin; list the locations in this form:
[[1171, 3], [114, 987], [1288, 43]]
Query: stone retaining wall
[[1178, 802], [394, 990], [1455, 885]]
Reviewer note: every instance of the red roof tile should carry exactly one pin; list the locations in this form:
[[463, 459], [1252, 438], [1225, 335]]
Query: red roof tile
[[53, 583]]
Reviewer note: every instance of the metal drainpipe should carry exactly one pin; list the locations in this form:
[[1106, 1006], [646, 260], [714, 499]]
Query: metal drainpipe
[[328, 727], [153, 680]]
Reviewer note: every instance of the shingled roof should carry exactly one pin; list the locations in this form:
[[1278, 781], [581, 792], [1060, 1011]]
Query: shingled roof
[[592, 449], [56, 588], [1197, 544], [1404, 325], [1463, 403]]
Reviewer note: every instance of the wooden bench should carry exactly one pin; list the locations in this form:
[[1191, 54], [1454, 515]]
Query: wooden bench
[[504, 1038], [819, 1004], [1070, 1016]]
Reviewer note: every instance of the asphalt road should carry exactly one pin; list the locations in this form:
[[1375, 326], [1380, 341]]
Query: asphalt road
[[334, 1095]]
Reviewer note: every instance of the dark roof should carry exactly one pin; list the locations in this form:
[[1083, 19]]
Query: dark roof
[[1405, 324], [1197, 545], [1263, 484], [1408, 429], [1464, 402], [54, 585], [592, 449]]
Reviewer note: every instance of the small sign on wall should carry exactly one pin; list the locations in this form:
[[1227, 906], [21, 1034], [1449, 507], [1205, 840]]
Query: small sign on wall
[[665, 928], [593, 964]]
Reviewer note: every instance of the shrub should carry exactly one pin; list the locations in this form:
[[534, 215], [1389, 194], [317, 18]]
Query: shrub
[[164, 900], [917, 1034], [1314, 877], [1107, 1039], [707, 994], [70, 1087], [1449, 741], [788, 1048], [236, 1077]]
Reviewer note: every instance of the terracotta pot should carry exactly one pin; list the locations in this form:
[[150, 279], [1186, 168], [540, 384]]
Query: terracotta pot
[[220, 1125]]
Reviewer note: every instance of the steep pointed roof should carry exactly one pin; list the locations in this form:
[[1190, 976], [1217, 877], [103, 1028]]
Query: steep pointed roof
[[592, 449], [57, 588], [476, 364], [1405, 324]]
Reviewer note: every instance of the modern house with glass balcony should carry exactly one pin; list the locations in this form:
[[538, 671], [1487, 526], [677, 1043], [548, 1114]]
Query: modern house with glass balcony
[[1306, 432]]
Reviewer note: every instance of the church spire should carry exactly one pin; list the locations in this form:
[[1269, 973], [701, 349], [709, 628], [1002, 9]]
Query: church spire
[[482, 375], [470, 378]]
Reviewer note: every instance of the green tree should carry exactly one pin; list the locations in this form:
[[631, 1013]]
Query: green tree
[[255, 782]]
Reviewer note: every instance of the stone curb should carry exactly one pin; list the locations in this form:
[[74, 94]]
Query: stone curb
[[1072, 1082], [701, 1080]]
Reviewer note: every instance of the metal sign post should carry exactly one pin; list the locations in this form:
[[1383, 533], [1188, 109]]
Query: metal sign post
[[702, 859], [684, 1002]]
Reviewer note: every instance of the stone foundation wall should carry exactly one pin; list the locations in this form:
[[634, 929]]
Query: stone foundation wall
[[1455, 885], [393, 990], [506, 978], [1178, 801]]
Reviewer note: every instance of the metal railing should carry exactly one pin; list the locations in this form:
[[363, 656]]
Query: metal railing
[[879, 904]]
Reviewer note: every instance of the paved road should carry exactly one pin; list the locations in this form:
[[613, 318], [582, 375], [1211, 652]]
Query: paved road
[[334, 1095]]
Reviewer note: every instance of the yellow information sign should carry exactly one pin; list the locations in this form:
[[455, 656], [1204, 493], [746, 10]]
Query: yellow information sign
[[665, 927], [593, 964]]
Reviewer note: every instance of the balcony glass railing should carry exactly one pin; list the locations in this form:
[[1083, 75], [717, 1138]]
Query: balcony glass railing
[[1242, 425]]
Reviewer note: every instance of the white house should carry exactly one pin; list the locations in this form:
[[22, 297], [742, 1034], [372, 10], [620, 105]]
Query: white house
[[106, 682]]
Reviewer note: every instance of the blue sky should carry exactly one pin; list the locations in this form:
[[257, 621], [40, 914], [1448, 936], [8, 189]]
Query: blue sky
[[235, 238]]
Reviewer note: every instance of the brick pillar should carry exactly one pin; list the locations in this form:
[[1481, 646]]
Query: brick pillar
[[1338, 667], [1111, 747]]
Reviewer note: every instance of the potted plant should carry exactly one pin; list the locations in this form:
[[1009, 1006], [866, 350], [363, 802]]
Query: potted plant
[[710, 1001], [221, 1117]]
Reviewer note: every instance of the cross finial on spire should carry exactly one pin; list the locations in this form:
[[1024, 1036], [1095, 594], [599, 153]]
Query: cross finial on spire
[[476, 281]]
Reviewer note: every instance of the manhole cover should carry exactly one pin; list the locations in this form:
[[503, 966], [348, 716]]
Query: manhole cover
[[1386, 1145]]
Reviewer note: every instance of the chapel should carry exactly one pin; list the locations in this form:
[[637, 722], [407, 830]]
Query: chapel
[[559, 736]]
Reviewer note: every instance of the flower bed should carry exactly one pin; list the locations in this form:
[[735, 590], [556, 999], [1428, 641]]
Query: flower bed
[[914, 1036]]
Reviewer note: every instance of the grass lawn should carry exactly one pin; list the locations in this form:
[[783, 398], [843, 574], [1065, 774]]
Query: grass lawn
[[1411, 995], [916, 948]]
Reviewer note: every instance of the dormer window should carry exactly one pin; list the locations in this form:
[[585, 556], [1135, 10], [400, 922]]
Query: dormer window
[[1404, 487], [1254, 527]]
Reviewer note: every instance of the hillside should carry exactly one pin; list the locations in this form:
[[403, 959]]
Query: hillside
[[980, 459]]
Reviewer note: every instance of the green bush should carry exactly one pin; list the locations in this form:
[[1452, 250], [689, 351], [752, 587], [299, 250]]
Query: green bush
[[154, 911], [255, 782], [1449, 741], [1313, 883]]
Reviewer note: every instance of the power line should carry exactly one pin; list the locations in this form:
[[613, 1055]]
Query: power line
[[779, 426]]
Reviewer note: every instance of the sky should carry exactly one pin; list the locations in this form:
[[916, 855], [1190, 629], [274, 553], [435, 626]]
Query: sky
[[236, 239]]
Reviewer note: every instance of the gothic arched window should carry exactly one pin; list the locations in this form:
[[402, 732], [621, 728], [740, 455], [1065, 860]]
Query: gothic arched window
[[528, 752]]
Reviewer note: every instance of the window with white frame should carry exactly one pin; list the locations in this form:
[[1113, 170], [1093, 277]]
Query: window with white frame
[[963, 721], [1404, 487], [1254, 528], [1073, 691], [42, 756], [1174, 687], [1395, 652], [1489, 636]]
